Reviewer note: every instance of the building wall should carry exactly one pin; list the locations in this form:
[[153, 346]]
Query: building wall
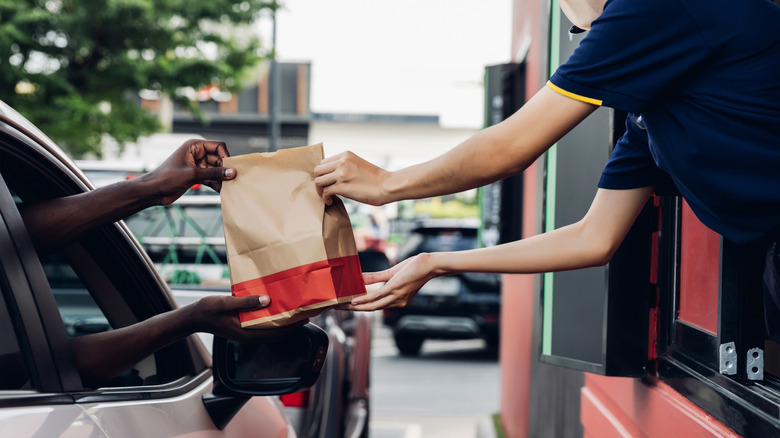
[[620, 407], [529, 24], [388, 145]]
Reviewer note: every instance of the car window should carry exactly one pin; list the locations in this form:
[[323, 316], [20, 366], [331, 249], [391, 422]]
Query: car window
[[79, 311], [428, 240], [179, 220], [448, 242], [82, 315], [13, 368], [101, 281], [185, 240]]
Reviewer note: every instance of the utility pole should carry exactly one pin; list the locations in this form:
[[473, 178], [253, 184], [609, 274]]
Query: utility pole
[[273, 91]]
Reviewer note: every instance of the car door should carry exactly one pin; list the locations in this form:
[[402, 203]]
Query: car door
[[36, 374], [100, 282]]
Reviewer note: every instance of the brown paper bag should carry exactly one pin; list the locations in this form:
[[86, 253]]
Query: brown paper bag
[[283, 241]]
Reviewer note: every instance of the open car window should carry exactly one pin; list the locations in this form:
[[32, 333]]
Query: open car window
[[102, 281]]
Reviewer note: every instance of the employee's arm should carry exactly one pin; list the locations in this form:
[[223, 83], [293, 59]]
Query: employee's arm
[[56, 222], [590, 242], [492, 154]]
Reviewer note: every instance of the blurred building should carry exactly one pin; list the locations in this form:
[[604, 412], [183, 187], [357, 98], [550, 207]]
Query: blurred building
[[243, 120]]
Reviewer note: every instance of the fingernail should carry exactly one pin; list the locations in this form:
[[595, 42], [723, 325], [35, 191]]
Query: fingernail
[[264, 300], [230, 172]]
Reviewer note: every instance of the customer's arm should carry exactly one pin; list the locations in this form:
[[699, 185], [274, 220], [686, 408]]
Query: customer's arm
[[102, 356], [56, 222]]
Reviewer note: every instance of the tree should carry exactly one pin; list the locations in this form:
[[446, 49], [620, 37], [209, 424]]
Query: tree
[[74, 68]]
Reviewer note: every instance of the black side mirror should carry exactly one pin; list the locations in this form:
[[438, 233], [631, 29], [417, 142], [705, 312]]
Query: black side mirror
[[288, 363], [282, 365]]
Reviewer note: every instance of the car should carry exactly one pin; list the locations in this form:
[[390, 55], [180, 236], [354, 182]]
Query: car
[[371, 227], [102, 281], [186, 242], [458, 306]]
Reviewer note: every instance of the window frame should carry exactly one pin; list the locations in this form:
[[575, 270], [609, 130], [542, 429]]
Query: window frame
[[31, 299], [39, 328], [689, 358]]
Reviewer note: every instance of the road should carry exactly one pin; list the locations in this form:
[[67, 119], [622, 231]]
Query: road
[[446, 392]]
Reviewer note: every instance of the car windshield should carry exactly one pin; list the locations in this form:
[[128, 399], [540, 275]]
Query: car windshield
[[437, 240]]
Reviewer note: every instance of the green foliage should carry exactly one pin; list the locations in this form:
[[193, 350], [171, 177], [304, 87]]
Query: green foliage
[[497, 425], [453, 206], [75, 67]]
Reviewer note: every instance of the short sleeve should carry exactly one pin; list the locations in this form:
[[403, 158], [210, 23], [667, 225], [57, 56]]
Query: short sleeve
[[631, 164], [633, 52]]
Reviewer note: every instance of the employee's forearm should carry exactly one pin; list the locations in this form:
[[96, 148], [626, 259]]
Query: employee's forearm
[[559, 250], [494, 153], [469, 165], [590, 242], [55, 222]]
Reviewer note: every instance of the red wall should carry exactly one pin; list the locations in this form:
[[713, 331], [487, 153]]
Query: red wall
[[623, 407], [517, 299]]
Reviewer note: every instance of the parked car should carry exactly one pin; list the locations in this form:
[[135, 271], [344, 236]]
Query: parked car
[[186, 242], [103, 281], [459, 306], [370, 227]]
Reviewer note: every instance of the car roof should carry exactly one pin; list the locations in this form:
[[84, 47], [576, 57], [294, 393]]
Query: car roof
[[9, 117]]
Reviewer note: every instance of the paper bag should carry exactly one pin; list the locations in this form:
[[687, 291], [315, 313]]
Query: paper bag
[[283, 241]]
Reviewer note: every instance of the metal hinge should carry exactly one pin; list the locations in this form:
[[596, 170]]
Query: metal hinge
[[728, 359], [755, 364]]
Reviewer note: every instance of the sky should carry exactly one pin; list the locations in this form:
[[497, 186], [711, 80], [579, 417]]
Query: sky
[[410, 57]]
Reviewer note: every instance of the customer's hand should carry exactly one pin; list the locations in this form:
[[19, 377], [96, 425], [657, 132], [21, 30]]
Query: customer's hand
[[194, 162], [218, 314], [348, 175], [403, 281]]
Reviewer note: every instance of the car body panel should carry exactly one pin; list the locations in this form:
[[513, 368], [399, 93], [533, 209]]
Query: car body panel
[[186, 416], [183, 416], [67, 421]]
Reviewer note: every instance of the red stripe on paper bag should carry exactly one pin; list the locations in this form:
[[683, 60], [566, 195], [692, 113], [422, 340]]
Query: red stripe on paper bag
[[309, 286]]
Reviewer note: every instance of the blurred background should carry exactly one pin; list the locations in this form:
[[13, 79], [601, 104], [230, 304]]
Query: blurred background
[[398, 82]]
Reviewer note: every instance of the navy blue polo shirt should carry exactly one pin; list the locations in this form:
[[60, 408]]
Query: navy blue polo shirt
[[704, 75]]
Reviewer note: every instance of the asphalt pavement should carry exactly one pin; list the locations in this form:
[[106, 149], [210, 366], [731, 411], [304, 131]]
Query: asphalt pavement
[[450, 391]]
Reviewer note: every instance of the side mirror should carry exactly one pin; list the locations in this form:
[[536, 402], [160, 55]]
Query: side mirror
[[289, 363]]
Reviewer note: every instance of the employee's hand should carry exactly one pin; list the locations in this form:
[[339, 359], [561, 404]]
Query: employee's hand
[[348, 175], [402, 282], [194, 162], [218, 314]]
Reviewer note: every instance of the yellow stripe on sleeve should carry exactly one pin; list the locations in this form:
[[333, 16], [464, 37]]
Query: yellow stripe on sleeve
[[560, 90]]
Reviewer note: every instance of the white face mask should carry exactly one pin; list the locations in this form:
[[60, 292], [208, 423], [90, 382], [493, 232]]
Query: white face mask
[[582, 12]]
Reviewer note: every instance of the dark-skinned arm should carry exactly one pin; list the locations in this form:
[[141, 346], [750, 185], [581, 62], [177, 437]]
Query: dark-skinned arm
[[102, 356], [57, 222]]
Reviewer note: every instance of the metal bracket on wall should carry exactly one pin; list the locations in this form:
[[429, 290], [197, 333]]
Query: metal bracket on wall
[[728, 359], [755, 364]]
